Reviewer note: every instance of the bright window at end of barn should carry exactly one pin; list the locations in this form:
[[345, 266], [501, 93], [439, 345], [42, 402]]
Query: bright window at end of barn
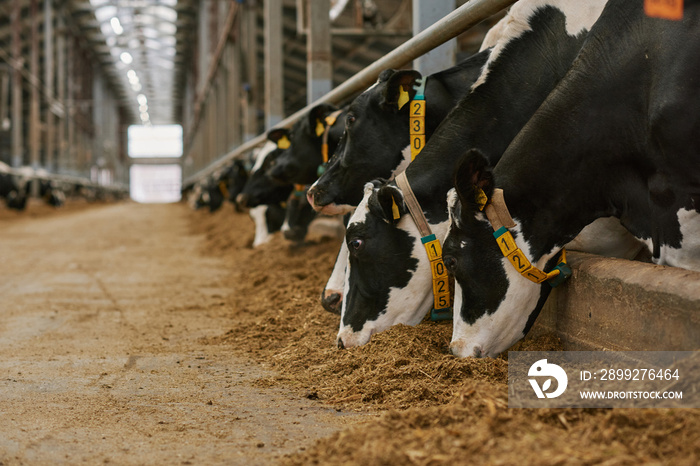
[[155, 141]]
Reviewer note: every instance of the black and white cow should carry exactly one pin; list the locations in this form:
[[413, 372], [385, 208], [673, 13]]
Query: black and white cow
[[618, 137], [388, 279], [266, 201], [226, 185], [12, 188], [300, 162], [375, 144], [259, 189], [298, 217], [235, 178]]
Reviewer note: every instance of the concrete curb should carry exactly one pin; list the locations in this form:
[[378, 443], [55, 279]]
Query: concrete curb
[[621, 305]]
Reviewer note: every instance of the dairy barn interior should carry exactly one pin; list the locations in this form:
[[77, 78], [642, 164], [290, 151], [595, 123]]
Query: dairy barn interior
[[152, 311]]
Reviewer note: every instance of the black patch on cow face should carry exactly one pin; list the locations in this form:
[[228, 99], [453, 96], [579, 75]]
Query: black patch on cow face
[[379, 259], [470, 252], [472, 257], [274, 217], [260, 189], [299, 163], [376, 132], [299, 216]]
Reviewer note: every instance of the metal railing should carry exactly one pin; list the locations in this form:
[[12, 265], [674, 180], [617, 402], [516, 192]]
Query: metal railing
[[463, 18]]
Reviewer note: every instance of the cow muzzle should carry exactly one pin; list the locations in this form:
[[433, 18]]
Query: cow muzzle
[[242, 200], [332, 301], [462, 349]]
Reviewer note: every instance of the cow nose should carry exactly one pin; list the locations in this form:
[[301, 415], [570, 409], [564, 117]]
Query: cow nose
[[340, 344], [332, 302], [242, 199], [310, 197], [450, 262]]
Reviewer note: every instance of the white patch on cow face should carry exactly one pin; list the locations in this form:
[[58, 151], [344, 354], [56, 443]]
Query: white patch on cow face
[[688, 255], [262, 235], [261, 155], [580, 16], [336, 282], [494, 333], [406, 305]]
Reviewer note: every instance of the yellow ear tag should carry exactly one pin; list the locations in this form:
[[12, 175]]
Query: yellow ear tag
[[480, 198], [403, 97], [395, 209], [319, 127], [283, 143]]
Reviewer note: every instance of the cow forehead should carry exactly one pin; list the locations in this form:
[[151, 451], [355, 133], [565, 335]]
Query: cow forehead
[[262, 155], [362, 210]]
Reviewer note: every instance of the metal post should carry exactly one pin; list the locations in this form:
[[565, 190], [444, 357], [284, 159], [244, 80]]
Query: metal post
[[318, 51], [17, 64], [425, 14], [48, 79], [233, 61], [34, 137], [274, 66], [62, 66], [251, 47], [70, 153]]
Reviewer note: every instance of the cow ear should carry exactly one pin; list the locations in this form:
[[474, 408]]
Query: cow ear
[[317, 116], [473, 180], [389, 204], [399, 89], [279, 136]]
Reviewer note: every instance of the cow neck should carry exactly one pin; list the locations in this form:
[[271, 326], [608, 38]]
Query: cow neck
[[499, 217], [442, 309], [329, 122]]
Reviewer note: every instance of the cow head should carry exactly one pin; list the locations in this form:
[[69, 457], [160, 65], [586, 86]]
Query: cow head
[[388, 278], [260, 189], [299, 163], [235, 179], [494, 305], [298, 216], [373, 146]]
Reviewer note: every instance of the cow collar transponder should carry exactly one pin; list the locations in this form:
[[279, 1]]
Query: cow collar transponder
[[324, 130], [442, 309], [497, 213]]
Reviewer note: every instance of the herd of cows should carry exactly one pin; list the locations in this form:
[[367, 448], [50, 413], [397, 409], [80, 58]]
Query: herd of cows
[[15, 188], [577, 125]]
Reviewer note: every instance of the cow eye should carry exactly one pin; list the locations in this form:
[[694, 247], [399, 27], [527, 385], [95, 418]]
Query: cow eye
[[349, 120], [356, 244]]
